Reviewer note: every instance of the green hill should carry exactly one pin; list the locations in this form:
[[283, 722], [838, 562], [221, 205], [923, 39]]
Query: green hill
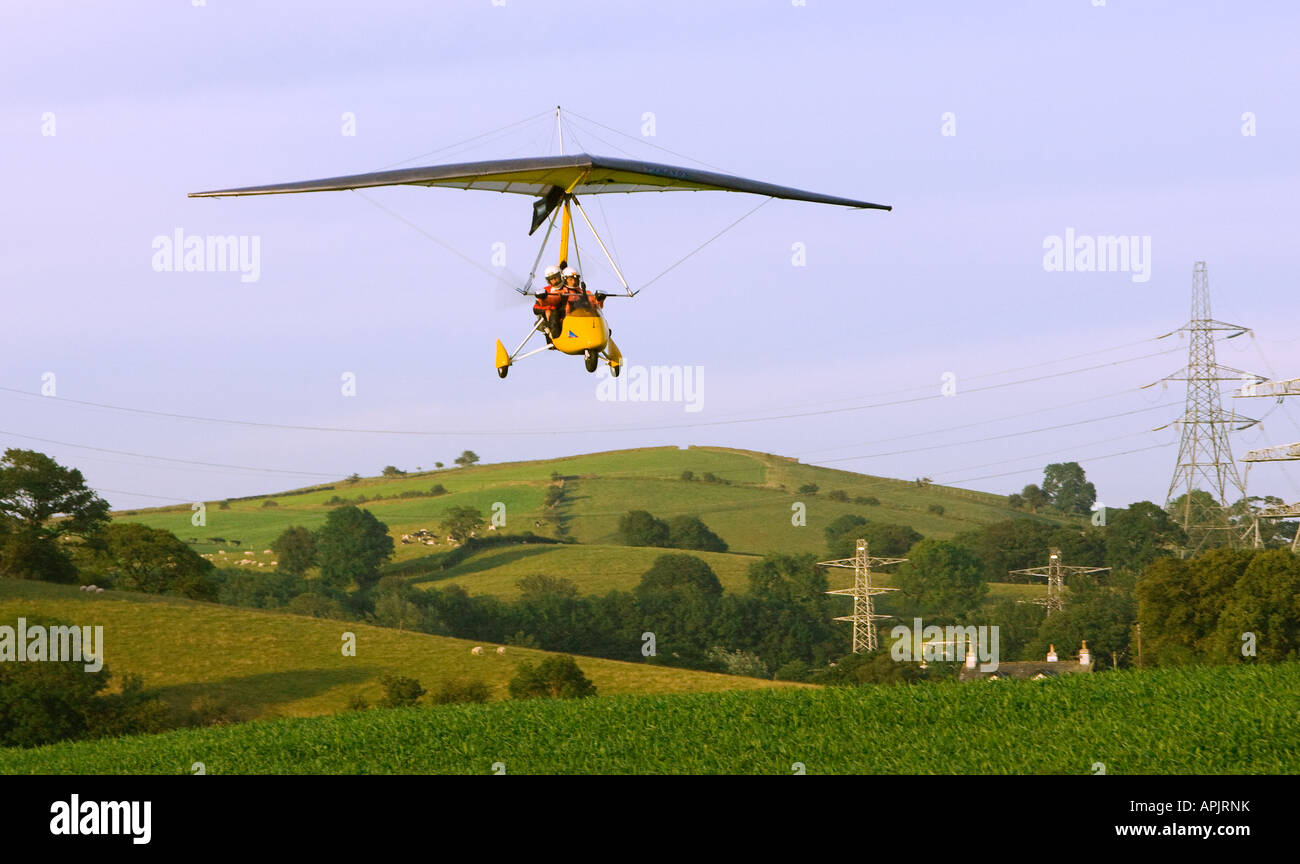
[[748, 503], [269, 664], [1189, 720]]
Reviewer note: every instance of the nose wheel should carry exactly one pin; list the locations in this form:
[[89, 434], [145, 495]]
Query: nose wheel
[[592, 359]]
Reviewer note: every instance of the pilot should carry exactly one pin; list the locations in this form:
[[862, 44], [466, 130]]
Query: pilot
[[549, 305]]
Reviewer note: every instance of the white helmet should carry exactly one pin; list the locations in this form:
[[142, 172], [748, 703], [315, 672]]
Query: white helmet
[[569, 271], [553, 270]]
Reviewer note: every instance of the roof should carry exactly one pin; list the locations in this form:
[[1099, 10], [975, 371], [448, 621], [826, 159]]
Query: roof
[[1028, 669]]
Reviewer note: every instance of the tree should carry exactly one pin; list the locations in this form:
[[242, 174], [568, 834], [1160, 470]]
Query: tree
[[1179, 601], [1102, 616], [459, 523], [399, 691], [890, 540], [639, 528], [33, 490], [1066, 486], [842, 535], [469, 457], [940, 578], [689, 532], [1139, 535], [392, 471], [1265, 603], [295, 549], [351, 546], [556, 677], [678, 597], [151, 560], [1034, 498]]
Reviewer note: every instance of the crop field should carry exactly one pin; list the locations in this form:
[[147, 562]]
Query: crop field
[[1190, 720]]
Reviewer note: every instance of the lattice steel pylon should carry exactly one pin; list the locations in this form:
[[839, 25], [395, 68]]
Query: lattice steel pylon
[[1055, 572], [864, 615], [1204, 455]]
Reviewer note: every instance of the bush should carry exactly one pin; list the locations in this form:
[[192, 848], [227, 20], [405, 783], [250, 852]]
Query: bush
[[438, 489], [838, 495], [400, 691], [936, 509], [869, 500], [808, 489], [688, 476], [556, 677], [689, 532], [357, 702], [224, 505], [795, 670], [270, 502], [639, 528], [461, 690]]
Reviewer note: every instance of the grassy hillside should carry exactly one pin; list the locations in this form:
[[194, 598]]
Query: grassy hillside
[[1206, 720], [268, 664], [597, 568], [749, 506]]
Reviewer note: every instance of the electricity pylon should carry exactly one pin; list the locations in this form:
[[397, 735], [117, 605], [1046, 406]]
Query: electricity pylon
[[1281, 453], [1055, 572], [864, 615], [1204, 454]]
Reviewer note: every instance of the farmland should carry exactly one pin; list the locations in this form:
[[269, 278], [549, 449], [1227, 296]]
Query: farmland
[[262, 664], [1191, 720]]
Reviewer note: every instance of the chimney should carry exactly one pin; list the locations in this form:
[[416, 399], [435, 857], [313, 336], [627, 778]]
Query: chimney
[[1085, 657], [1051, 653]]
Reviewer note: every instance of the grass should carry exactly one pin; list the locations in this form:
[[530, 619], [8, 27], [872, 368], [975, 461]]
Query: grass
[[269, 664], [595, 569], [1195, 720], [753, 513]]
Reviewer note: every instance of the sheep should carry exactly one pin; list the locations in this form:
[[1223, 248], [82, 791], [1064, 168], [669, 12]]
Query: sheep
[[501, 649], [477, 650]]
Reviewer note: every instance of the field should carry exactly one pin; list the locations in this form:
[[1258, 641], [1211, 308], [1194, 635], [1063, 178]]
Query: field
[[268, 664], [1193, 720], [749, 506]]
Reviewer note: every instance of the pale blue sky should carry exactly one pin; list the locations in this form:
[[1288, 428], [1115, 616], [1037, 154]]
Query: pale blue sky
[[1121, 119]]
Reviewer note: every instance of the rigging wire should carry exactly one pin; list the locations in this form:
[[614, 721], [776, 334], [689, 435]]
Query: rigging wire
[[467, 140]]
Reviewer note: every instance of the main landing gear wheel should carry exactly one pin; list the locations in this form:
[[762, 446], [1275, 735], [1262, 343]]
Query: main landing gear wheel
[[592, 359], [614, 370], [501, 373]]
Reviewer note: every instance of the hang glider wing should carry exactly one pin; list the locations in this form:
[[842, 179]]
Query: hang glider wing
[[549, 178]]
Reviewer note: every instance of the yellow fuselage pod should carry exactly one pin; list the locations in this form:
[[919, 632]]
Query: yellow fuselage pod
[[583, 330]]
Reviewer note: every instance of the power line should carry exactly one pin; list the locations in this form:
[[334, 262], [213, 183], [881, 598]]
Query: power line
[[999, 437], [1089, 459], [168, 458]]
